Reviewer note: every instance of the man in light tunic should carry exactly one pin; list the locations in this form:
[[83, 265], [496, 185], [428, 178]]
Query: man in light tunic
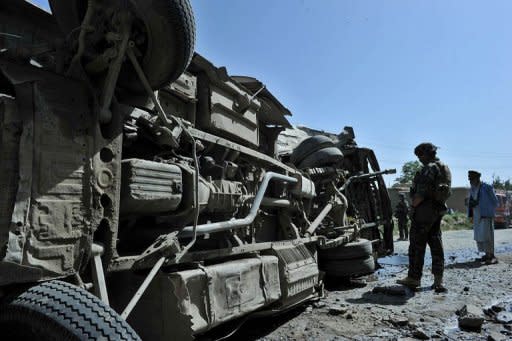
[[482, 205]]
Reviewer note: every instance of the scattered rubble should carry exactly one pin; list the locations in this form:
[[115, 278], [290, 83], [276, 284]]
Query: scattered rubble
[[337, 311], [420, 334], [500, 312], [470, 318], [504, 317], [399, 321], [386, 311]]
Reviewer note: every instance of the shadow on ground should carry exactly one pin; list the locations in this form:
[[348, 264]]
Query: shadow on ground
[[466, 265], [251, 329], [388, 295], [344, 284]]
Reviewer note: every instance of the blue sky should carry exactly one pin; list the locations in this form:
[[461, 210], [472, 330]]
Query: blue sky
[[399, 72]]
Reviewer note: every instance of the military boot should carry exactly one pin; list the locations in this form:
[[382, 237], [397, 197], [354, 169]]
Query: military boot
[[409, 282], [438, 284]]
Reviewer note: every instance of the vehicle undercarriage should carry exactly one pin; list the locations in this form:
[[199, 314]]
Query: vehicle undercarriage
[[137, 170]]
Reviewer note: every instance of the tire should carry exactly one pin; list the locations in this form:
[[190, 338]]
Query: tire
[[57, 310], [170, 32], [321, 158], [501, 225], [348, 267], [360, 248], [309, 146]]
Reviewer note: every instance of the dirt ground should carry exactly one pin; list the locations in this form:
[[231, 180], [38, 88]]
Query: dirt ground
[[356, 312]]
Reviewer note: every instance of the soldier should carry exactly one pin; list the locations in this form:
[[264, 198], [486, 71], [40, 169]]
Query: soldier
[[401, 212], [429, 192]]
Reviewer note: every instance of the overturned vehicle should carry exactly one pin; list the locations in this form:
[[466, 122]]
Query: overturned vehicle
[[143, 194]]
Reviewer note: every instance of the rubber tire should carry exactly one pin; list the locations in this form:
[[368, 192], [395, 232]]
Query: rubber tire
[[171, 34], [360, 248], [57, 310], [309, 146], [500, 225], [348, 267], [322, 157]]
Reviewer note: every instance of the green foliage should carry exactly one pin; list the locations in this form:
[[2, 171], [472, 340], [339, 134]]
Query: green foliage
[[409, 169], [451, 222], [498, 183], [456, 221]]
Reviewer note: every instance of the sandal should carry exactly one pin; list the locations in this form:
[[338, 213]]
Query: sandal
[[481, 259], [491, 260], [439, 288]]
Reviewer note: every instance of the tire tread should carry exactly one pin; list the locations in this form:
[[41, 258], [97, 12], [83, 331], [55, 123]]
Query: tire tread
[[75, 308]]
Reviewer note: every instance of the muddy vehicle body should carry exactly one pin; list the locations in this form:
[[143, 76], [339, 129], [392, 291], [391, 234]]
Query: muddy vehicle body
[[142, 193], [359, 171]]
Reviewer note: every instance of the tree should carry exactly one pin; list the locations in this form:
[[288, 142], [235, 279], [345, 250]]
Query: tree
[[498, 183], [409, 170]]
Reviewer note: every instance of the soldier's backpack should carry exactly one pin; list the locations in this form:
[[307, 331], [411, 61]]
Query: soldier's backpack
[[443, 183]]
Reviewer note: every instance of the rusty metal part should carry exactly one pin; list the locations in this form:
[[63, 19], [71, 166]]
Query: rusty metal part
[[238, 223], [276, 202], [115, 68], [365, 176], [142, 288], [319, 218], [98, 276]]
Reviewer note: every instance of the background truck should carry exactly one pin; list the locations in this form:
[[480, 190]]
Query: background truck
[[142, 192]]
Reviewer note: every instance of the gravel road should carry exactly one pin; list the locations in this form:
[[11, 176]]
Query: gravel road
[[391, 312]]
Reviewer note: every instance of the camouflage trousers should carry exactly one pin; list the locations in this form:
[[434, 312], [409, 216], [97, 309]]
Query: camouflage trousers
[[420, 235]]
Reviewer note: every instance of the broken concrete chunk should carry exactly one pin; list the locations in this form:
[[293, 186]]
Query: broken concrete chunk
[[504, 317], [399, 321], [498, 307], [319, 304], [495, 336], [337, 311], [420, 334], [470, 318]]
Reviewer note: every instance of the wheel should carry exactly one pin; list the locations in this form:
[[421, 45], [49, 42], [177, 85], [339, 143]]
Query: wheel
[[322, 157], [500, 225], [309, 146], [167, 29], [57, 310], [348, 267], [360, 248]]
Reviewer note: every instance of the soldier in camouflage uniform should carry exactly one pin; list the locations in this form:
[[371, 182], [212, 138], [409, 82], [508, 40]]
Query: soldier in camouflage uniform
[[401, 213], [429, 192]]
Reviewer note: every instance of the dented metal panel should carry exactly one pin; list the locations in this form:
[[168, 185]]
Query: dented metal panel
[[10, 133], [69, 175], [180, 97], [225, 108], [202, 298], [231, 289], [226, 118], [298, 272], [50, 215]]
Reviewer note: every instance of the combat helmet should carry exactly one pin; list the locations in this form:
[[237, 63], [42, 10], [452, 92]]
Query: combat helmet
[[425, 148]]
